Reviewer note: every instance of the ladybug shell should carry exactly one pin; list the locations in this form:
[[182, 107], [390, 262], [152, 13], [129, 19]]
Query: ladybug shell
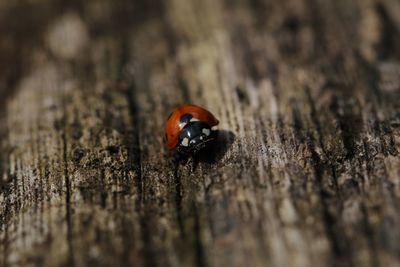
[[172, 128]]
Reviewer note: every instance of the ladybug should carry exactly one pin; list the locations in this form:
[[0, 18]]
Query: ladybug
[[190, 128]]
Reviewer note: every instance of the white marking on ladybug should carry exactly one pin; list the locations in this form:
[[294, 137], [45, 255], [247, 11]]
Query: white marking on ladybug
[[201, 138], [206, 131], [194, 119], [182, 125], [185, 142], [214, 128]]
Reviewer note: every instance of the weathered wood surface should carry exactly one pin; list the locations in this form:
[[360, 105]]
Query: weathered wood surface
[[307, 172]]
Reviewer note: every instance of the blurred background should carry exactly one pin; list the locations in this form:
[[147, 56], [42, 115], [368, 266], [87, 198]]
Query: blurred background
[[66, 30]]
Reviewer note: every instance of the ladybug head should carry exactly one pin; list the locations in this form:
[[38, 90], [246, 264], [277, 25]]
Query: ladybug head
[[194, 135]]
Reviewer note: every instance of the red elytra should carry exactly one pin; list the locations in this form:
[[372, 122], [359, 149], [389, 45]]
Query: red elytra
[[173, 129]]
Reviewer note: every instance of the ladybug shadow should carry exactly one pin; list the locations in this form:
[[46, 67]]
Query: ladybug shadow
[[216, 150]]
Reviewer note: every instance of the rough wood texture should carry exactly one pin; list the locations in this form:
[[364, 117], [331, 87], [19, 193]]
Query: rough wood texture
[[307, 172]]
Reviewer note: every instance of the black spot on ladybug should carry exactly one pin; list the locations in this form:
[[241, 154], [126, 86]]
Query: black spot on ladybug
[[185, 118]]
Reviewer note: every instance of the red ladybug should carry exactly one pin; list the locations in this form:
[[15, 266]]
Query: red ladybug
[[190, 128]]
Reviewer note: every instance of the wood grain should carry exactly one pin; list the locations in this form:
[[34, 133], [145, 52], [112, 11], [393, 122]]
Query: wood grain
[[306, 171]]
